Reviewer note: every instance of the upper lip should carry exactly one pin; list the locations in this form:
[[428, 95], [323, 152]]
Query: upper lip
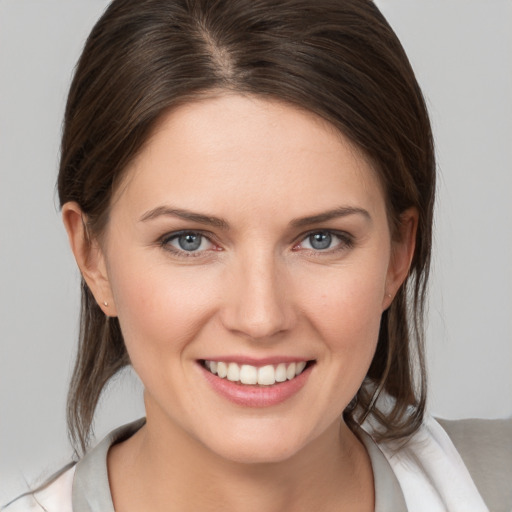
[[257, 361]]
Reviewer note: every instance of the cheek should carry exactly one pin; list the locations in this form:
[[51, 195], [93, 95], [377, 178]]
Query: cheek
[[346, 307], [160, 309]]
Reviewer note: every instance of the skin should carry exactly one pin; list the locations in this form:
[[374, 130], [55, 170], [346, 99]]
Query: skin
[[256, 288]]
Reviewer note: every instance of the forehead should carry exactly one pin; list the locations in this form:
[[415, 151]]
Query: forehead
[[256, 153]]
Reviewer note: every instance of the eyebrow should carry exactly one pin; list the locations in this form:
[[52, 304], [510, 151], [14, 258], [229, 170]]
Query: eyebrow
[[210, 220], [342, 211], [186, 215]]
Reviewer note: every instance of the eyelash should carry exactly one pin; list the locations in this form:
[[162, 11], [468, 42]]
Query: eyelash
[[346, 241], [164, 242]]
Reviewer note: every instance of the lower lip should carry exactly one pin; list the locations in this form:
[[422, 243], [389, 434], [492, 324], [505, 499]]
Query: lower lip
[[256, 396]]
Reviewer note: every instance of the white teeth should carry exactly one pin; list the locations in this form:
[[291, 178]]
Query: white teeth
[[222, 369], [281, 372], [299, 368], [233, 372], [266, 375], [248, 374]]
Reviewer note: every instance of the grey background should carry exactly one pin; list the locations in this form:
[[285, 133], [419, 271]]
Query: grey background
[[461, 51]]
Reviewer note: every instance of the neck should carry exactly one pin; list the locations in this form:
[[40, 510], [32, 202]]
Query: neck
[[165, 469]]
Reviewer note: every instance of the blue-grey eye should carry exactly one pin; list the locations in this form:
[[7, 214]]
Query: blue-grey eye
[[320, 240], [189, 241]]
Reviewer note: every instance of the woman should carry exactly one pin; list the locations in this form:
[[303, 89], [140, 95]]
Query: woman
[[248, 191]]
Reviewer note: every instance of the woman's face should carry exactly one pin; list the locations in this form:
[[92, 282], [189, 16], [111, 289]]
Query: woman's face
[[247, 236]]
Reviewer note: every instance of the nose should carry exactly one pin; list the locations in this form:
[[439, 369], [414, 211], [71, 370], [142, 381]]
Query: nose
[[258, 304]]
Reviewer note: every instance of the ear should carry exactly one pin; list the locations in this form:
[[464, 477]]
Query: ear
[[89, 257], [402, 252]]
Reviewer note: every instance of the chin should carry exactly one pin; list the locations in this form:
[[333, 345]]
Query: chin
[[257, 446]]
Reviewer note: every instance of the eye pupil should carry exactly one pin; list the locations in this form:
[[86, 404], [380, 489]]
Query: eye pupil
[[320, 240], [189, 241]]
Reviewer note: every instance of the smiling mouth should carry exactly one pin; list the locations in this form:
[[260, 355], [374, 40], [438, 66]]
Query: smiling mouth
[[247, 374]]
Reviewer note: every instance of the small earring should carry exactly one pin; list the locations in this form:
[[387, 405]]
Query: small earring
[[389, 295], [105, 303]]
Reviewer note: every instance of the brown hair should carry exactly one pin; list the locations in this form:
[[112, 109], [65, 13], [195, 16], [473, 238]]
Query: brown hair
[[336, 58]]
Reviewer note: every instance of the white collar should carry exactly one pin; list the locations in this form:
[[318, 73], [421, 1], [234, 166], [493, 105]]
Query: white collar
[[429, 468]]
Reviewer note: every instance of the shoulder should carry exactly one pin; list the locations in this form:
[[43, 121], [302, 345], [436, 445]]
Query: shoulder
[[53, 497], [77, 484], [485, 446]]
